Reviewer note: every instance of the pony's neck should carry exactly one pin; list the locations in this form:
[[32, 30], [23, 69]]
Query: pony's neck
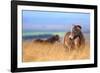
[[80, 36]]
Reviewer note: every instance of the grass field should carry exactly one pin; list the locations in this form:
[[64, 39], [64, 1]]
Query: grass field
[[36, 51]]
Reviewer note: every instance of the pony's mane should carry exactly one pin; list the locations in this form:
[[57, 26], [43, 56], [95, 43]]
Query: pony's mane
[[82, 39]]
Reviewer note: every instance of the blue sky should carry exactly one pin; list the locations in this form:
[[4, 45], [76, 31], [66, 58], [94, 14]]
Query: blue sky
[[54, 21]]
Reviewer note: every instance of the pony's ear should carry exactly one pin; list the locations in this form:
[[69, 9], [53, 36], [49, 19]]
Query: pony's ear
[[79, 27]]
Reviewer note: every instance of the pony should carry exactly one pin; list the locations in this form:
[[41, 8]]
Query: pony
[[74, 39], [52, 39]]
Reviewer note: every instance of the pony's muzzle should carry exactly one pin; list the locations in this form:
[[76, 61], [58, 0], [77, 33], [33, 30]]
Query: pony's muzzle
[[71, 37]]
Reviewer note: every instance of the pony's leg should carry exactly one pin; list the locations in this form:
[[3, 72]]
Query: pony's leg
[[77, 43], [69, 50]]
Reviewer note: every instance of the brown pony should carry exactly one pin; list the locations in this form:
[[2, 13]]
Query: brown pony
[[52, 39], [74, 39]]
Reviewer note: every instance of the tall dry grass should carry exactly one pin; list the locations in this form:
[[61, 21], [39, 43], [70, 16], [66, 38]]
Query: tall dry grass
[[36, 51]]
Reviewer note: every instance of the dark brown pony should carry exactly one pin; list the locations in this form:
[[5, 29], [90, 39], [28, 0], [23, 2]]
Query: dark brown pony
[[52, 39], [74, 39]]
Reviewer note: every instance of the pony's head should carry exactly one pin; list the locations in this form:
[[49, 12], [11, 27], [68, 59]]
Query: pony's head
[[75, 31]]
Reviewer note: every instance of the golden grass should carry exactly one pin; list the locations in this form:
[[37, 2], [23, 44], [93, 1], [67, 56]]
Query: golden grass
[[36, 51]]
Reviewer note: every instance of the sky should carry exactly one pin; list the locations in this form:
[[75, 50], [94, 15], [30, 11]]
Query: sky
[[54, 21]]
